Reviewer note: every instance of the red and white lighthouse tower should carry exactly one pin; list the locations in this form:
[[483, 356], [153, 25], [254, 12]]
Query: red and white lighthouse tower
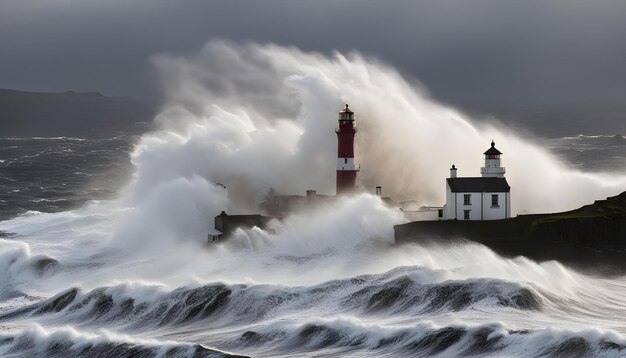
[[346, 167]]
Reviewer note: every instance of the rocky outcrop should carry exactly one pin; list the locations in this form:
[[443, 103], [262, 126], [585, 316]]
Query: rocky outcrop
[[592, 237]]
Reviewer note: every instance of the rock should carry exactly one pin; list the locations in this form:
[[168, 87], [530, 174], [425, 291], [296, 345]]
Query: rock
[[591, 238]]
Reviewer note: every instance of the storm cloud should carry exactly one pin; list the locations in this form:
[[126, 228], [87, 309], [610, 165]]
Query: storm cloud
[[522, 52]]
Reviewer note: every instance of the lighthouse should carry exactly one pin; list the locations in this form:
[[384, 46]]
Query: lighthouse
[[492, 166], [346, 168], [487, 197]]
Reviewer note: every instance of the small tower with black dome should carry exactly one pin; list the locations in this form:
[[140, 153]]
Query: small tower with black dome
[[492, 168]]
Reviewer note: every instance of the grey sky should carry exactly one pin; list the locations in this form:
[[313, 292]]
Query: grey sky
[[564, 51]]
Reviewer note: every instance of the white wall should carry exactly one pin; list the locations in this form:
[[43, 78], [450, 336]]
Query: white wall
[[422, 215], [495, 172], [499, 212], [508, 204], [474, 206], [448, 209], [480, 206]]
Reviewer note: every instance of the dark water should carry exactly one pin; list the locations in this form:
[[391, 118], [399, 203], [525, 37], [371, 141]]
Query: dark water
[[590, 153], [62, 295], [57, 174]]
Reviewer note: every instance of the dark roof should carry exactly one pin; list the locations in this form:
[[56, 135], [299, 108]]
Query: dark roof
[[478, 185], [493, 149], [346, 110]]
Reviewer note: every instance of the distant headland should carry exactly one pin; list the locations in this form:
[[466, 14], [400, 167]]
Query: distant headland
[[70, 114]]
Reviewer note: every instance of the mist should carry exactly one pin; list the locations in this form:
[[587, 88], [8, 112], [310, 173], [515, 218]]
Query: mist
[[241, 119], [257, 117]]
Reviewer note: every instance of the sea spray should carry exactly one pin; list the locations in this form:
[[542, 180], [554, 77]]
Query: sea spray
[[241, 120], [18, 267], [271, 126], [36, 340]]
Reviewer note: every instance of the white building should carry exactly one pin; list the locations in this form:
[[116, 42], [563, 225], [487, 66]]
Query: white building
[[487, 197]]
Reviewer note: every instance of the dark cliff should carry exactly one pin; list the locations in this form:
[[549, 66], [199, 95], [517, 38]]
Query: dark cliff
[[592, 237]]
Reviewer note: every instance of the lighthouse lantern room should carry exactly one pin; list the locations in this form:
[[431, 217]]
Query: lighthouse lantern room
[[346, 167], [492, 168]]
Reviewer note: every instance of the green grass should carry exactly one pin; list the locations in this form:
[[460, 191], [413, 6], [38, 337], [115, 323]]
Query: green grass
[[605, 211]]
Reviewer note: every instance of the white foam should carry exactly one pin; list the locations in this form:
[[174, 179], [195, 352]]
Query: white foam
[[256, 117]]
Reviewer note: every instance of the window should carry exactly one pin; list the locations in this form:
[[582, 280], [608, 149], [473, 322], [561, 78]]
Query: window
[[345, 160], [494, 200], [466, 214], [466, 199]]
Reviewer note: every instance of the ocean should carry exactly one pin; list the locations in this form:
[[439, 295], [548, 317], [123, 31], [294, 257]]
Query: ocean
[[104, 253], [74, 283]]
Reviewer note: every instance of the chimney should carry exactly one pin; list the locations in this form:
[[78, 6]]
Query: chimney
[[379, 191], [453, 171]]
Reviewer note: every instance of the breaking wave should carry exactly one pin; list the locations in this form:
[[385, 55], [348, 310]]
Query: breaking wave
[[35, 341], [18, 266], [238, 122], [341, 337], [396, 293]]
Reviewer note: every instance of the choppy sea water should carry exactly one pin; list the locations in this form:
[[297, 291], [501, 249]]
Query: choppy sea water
[[56, 174], [64, 292]]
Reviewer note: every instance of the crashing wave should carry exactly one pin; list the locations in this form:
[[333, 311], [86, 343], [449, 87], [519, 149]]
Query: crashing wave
[[18, 265], [425, 339], [36, 341], [395, 294]]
